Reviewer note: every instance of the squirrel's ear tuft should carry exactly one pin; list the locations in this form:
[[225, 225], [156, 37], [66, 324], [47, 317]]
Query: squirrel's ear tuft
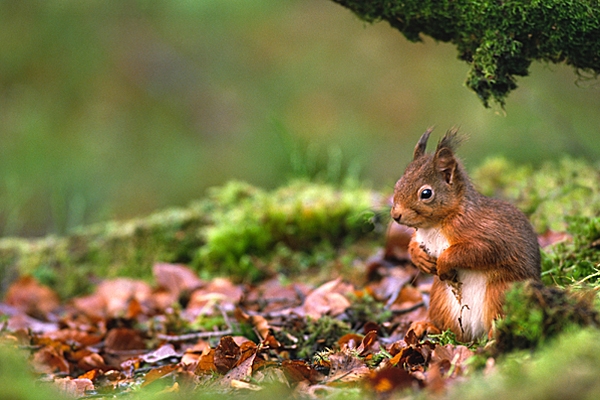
[[451, 140], [422, 144], [445, 164]]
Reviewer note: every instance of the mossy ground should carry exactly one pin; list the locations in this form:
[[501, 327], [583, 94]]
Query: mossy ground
[[307, 229], [238, 231]]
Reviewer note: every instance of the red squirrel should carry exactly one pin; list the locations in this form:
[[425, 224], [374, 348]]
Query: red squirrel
[[475, 246]]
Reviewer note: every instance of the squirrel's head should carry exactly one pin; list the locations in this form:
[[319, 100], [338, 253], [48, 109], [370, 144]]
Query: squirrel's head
[[432, 186]]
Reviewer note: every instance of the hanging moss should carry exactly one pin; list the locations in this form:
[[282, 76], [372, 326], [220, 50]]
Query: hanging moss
[[498, 39]]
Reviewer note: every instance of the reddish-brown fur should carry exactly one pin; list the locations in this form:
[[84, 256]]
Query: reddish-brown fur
[[481, 234]]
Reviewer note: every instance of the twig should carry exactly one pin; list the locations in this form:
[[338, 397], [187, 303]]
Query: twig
[[409, 309], [195, 335]]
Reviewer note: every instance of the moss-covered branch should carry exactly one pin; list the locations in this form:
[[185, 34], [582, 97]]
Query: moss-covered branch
[[498, 39]]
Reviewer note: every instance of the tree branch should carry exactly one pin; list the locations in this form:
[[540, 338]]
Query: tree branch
[[498, 39]]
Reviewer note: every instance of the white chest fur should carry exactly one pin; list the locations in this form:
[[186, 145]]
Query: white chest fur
[[432, 240], [466, 304]]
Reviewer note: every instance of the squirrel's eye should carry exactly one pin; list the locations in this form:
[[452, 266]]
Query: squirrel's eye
[[426, 193]]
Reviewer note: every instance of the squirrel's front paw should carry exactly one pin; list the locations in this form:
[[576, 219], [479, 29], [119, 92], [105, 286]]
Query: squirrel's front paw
[[421, 259]]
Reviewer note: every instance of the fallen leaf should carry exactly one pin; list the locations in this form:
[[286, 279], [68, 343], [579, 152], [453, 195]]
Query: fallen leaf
[[345, 366], [327, 300], [369, 344], [350, 341], [241, 372], [549, 238], [92, 361], [162, 353], [158, 373], [49, 360], [298, 370], [455, 355], [74, 387], [120, 339], [227, 354], [206, 363], [31, 297], [79, 337], [175, 278], [117, 294], [387, 380], [219, 292]]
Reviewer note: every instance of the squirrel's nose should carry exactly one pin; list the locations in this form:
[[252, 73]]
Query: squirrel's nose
[[396, 215]]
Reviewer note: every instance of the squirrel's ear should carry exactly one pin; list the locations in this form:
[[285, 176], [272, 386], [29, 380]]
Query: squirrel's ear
[[445, 164], [422, 144]]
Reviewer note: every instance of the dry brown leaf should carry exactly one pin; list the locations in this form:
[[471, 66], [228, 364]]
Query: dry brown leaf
[[271, 296], [350, 341], [120, 339], [82, 338], [158, 373], [192, 354], [227, 354], [327, 300], [241, 372], [455, 355], [22, 321], [174, 280], [549, 238], [92, 361], [298, 371], [117, 294], [206, 363], [31, 297], [162, 353], [345, 367], [49, 360], [390, 379], [369, 344], [219, 292], [74, 387]]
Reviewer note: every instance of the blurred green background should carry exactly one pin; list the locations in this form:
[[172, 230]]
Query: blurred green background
[[115, 108]]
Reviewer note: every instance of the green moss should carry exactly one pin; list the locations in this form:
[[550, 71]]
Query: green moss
[[306, 337], [566, 368], [286, 225], [575, 261], [498, 40], [365, 309], [535, 314], [237, 230], [16, 378], [549, 194]]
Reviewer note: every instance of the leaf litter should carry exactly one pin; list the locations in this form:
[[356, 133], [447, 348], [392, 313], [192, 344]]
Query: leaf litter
[[185, 335]]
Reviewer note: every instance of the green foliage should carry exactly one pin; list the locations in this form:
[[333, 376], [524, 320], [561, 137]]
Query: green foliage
[[237, 230], [309, 336], [366, 309], [16, 379], [535, 314], [576, 261], [566, 368], [448, 337], [294, 225], [549, 194], [498, 40]]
